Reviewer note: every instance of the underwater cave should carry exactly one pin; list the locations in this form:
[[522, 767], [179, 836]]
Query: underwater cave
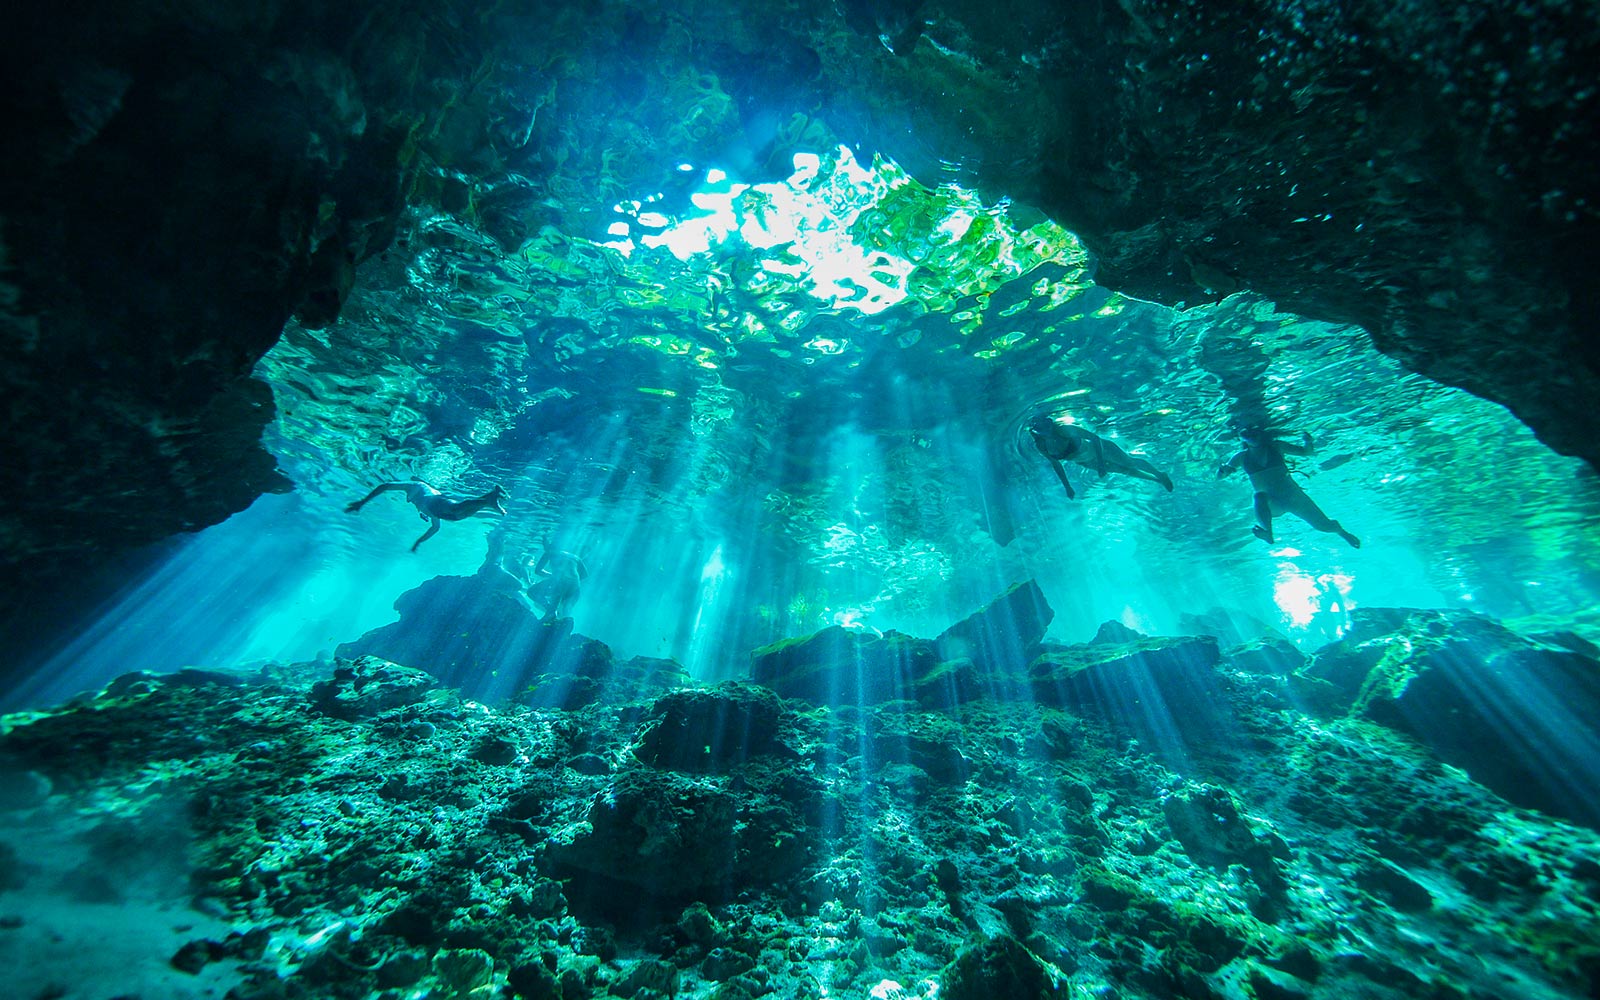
[[882, 499]]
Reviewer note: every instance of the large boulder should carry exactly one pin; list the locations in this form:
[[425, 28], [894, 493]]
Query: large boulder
[[472, 633], [653, 837], [1516, 714], [985, 653], [1268, 655], [711, 730], [368, 687], [840, 666], [1004, 634], [475, 634], [1162, 687], [998, 967]]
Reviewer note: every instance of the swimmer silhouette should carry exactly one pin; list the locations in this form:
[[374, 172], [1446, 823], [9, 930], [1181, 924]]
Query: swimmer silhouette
[[1262, 459], [561, 577], [1067, 442], [434, 506]]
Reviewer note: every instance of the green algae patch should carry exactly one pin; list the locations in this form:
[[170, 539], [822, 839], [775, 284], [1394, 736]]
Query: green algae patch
[[999, 967], [1189, 937]]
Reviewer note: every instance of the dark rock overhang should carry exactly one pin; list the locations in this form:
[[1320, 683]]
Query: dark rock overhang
[[183, 179]]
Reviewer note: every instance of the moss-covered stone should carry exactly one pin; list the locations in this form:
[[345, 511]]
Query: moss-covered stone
[[375, 847], [998, 967], [711, 730], [839, 666], [1507, 710], [1003, 635], [1160, 687]]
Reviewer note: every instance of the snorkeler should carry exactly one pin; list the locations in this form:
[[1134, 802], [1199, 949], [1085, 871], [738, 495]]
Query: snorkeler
[[1060, 442], [1262, 459], [562, 577], [434, 506]]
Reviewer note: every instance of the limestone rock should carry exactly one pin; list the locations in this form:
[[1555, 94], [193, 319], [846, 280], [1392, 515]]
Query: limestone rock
[[459, 971], [369, 686], [1115, 631], [1514, 714], [1213, 830], [839, 666], [650, 976], [491, 647], [1267, 655], [984, 653], [532, 981], [953, 682], [999, 967], [668, 834], [1158, 686], [710, 730], [1395, 885], [180, 188], [486, 630], [658, 832], [1002, 635]]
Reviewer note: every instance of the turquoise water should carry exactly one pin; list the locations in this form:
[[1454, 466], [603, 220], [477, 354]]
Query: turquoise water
[[797, 414], [768, 658], [758, 410]]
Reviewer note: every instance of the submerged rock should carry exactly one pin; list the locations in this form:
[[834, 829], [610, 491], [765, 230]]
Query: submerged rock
[[983, 654], [367, 687], [1158, 686], [1213, 830], [839, 666], [1269, 655], [999, 967], [711, 730], [1004, 634], [673, 836], [1020, 848], [1516, 715], [1114, 631], [476, 635]]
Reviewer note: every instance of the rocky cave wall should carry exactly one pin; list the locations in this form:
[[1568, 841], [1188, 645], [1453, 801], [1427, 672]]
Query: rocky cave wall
[[183, 178]]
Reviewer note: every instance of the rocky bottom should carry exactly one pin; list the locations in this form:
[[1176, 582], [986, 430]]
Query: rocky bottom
[[365, 832]]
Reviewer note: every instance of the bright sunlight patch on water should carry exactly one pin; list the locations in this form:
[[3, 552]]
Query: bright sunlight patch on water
[[807, 217]]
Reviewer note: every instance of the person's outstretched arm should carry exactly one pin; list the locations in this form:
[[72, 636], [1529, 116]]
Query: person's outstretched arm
[[433, 529], [1061, 474], [1296, 449], [380, 488], [1231, 465]]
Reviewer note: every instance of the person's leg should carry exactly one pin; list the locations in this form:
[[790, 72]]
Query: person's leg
[[1144, 470], [356, 506], [1263, 525], [1307, 510], [543, 597]]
